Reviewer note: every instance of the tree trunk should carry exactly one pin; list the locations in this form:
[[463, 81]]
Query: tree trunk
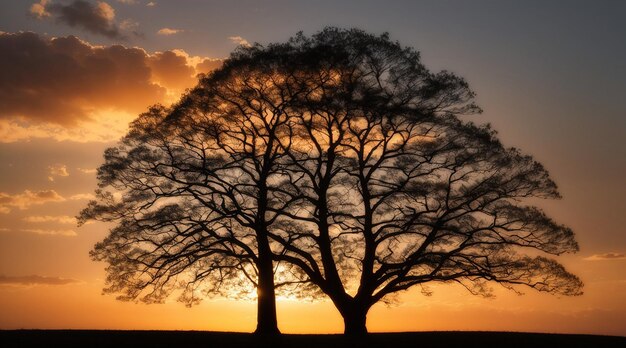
[[267, 323], [354, 321], [266, 297]]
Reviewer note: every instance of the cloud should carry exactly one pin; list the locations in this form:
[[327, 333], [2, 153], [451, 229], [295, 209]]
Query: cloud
[[100, 126], [97, 18], [127, 2], [151, 4], [57, 170], [171, 70], [63, 79], [64, 233], [63, 219], [81, 196], [39, 9], [129, 25], [87, 170], [208, 64], [35, 280], [67, 89], [169, 31], [606, 256], [239, 40], [27, 198]]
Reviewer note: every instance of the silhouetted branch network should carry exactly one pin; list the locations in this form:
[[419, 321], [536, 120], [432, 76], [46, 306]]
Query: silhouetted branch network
[[333, 164]]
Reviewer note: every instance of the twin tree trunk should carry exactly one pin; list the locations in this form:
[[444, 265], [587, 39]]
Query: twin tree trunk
[[354, 315]]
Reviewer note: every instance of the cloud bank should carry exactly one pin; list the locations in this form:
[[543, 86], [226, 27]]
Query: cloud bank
[[62, 79], [48, 86]]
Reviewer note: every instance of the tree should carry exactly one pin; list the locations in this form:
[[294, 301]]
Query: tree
[[198, 186], [399, 192], [342, 159]]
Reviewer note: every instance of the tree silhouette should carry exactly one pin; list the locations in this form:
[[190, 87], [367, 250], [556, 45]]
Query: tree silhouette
[[198, 187], [342, 159]]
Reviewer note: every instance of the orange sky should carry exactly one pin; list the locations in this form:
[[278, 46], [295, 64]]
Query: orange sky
[[554, 90]]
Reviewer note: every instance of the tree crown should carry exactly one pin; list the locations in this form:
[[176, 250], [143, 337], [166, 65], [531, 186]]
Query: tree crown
[[352, 160]]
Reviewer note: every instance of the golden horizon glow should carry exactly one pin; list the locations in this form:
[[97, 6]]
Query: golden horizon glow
[[446, 309]]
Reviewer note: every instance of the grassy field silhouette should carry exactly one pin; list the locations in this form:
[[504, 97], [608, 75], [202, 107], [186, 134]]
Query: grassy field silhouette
[[156, 339]]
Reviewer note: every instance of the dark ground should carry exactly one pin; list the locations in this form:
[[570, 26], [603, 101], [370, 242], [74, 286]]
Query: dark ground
[[196, 339]]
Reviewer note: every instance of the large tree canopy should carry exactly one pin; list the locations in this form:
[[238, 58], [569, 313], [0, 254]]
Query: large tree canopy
[[338, 161]]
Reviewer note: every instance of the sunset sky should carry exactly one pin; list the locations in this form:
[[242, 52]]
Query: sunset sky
[[550, 76]]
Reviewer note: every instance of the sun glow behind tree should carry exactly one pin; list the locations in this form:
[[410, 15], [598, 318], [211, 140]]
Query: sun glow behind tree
[[336, 164]]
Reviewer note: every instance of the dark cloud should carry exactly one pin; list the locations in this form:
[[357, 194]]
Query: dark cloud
[[606, 256], [97, 18], [65, 81], [62, 80], [35, 280]]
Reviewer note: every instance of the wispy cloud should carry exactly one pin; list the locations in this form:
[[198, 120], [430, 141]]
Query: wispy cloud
[[606, 256], [45, 232], [129, 25], [62, 219], [81, 196], [87, 170], [27, 198], [57, 170], [31, 280], [151, 4], [169, 31], [239, 40], [104, 125]]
